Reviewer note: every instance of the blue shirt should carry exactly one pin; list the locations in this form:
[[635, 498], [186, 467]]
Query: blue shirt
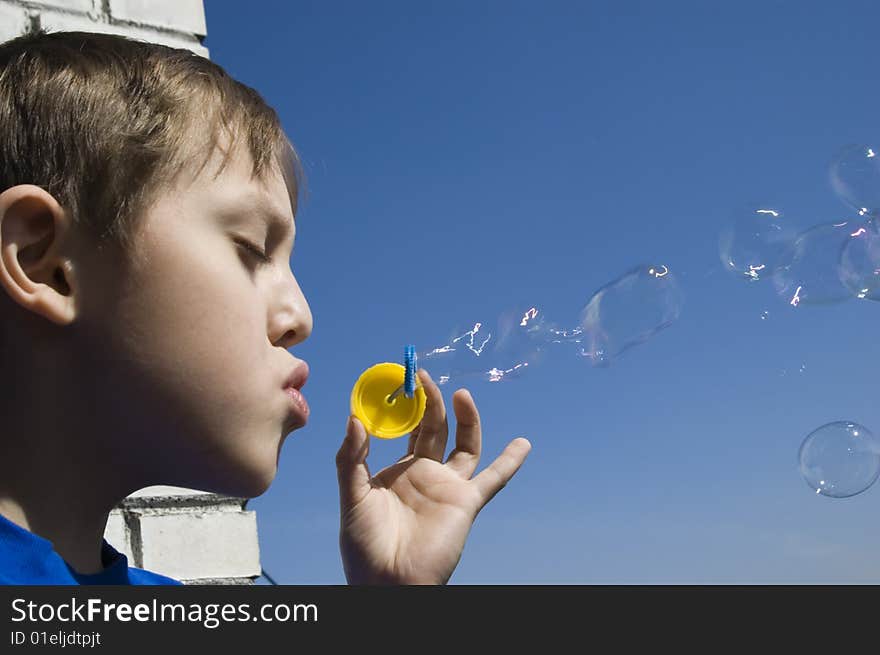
[[27, 559]]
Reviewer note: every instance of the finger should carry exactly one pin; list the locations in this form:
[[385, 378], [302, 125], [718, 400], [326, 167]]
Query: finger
[[351, 464], [495, 476], [468, 435], [411, 447], [433, 430]]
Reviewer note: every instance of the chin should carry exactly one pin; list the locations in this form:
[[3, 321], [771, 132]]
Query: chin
[[251, 482], [243, 478]]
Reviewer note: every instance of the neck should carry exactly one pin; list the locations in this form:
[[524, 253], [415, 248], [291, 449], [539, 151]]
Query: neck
[[77, 541], [57, 481]]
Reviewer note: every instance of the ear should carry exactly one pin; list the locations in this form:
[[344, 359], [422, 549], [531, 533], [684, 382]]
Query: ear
[[33, 271]]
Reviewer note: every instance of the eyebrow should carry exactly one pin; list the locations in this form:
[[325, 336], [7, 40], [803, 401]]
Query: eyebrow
[[276, 221], [250, 204]]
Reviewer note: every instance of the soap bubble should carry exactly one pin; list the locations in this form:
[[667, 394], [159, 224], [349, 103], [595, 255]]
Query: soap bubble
[[620, 315], [751, 244], [493, 351], [855, 178], [626, 312], [808, 269], [840, 459], [859, 268]]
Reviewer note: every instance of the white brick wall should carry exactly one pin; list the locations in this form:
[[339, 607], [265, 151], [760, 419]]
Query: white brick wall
[[161, 490], [13, 20], [65, 5], [175, 23], [187, 534], [116, 534], [201, 544], [177, 15]]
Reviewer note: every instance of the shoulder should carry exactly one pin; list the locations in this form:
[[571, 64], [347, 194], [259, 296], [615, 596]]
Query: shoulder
[[143, 577]]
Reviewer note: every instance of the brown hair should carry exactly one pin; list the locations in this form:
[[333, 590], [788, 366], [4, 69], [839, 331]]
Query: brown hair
[[102, 122]]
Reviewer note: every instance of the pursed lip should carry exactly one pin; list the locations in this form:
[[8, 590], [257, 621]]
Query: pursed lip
[[297, 377], [298, 408]]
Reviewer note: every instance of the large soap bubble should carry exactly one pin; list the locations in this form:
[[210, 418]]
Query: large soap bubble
[[807, 271], [752, 243], [623, 313], [840, 459], [628, 311]]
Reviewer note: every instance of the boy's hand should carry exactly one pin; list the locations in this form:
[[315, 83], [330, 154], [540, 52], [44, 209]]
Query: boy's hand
[[408, 523]]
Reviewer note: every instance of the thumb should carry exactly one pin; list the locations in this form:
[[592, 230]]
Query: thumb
[[351, 464]]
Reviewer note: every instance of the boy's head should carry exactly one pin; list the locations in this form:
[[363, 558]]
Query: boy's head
[[138, 329]]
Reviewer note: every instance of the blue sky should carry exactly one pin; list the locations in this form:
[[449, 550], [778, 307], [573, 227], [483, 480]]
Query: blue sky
[[466, 157]]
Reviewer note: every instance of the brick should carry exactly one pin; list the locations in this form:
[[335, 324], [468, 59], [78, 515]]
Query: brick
[[13, 21], [192, 545], [82, 6], [117, 536], [163, 490], [55, 21], [180, 15]]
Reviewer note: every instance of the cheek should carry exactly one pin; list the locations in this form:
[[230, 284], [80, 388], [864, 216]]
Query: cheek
[[194, 327], [205, 393]]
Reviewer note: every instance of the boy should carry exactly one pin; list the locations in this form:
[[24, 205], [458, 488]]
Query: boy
[[147, 205]]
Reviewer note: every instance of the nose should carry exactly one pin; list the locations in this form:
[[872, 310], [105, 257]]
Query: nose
[[291, 319]]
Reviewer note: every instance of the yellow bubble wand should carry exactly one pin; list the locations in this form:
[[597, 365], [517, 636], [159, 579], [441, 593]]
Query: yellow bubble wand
[[376, 397]]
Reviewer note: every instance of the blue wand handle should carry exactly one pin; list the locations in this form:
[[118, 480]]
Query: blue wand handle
[[410, 365]]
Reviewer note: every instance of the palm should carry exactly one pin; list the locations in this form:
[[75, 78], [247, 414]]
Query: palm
[[408, 523]]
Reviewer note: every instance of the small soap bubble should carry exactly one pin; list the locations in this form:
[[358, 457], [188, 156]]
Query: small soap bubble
[[626, 312], [859, 268], [751, 244], [493, 351], [855, 178], [840, 459], [764, 315], [807, 271]]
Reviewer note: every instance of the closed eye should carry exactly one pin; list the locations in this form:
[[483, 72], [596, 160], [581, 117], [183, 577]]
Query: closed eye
[[256, 252]]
